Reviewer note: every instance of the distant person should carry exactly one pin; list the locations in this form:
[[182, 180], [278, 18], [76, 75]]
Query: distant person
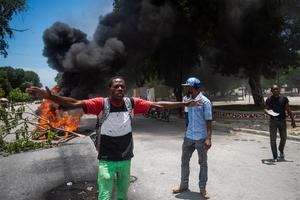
[[114, 143], [279, 104], [197, 137]]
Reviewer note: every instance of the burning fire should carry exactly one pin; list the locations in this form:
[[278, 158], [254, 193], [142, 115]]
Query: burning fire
[[52, 116]]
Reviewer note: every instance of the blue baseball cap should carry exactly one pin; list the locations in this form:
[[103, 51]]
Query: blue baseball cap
[[192, 82]]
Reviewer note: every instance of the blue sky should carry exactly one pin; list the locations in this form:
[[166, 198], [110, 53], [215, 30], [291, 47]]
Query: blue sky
[[25, 48]]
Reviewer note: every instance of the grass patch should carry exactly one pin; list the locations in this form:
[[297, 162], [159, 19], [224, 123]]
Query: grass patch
[[294, 131], [249, 107]]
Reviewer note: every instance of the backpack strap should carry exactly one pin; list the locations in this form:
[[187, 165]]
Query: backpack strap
[[100, 120], [105, 112], [128, 105]]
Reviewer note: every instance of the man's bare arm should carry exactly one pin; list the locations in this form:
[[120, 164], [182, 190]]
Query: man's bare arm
[[290, 113], [66, 102], [209, 134], [172, 105]]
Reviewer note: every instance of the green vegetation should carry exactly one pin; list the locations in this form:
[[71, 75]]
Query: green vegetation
[[58, 78], [8, 8], [294, 133], [2, 93], [18, 130], [289, 76], [13, 83], [12, 123], [16, 95], [116, 5]]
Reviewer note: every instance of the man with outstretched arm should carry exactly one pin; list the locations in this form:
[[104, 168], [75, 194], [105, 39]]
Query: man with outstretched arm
[[115, 148]]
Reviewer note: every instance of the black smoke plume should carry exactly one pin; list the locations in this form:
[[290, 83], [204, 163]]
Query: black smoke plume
[[122, 40], [229, 34]]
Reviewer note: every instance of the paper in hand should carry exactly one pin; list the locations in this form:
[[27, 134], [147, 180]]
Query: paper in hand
[[271, 112]]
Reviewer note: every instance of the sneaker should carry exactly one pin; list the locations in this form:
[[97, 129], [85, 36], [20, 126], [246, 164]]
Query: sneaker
[[281, 156], [180, 188], [274, 160], [204, 194]]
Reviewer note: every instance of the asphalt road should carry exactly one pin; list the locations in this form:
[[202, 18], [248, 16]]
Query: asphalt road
[[239, 166]]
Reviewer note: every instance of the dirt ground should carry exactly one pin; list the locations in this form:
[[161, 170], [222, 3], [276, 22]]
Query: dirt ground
[[87, 190], [77, 191]]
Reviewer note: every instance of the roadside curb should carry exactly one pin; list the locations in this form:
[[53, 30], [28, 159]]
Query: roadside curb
[[230, 129], [221, 128], [264, 133]]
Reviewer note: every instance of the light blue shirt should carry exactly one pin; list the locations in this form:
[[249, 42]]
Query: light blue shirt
[[198, 115]]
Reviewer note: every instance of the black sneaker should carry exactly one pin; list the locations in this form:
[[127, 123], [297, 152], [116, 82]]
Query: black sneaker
[[281, 156]]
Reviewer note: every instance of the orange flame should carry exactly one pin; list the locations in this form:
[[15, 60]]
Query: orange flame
[[52, 116]]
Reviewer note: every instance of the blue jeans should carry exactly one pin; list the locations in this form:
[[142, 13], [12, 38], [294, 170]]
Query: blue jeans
[[188, 147]]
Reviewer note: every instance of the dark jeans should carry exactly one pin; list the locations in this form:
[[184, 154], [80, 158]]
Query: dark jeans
[[188, 147], [281, 126]]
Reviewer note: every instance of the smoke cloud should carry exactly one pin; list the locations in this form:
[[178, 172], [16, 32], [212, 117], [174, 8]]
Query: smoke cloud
[[143, 29], [121, 40]]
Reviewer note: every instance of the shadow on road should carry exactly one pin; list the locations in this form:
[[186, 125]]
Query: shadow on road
[[189, 195]]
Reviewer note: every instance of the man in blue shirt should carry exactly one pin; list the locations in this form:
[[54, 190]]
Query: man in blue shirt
[[186, 98], [197, 137]]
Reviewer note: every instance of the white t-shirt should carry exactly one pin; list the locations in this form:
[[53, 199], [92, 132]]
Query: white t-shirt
[[185, 99]]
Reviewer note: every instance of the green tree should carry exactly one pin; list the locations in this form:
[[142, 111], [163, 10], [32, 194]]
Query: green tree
[[2, 92], [294, 78], [32, 77], [16, 95], [58, 78], [25, 85], [116, 5], [16, 77], [8, 8], [4, 82], [11, 78], [291, 77], [246, 38]]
